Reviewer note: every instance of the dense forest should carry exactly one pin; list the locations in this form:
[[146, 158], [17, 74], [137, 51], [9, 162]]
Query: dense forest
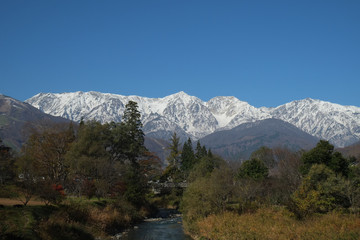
[[94, 180]]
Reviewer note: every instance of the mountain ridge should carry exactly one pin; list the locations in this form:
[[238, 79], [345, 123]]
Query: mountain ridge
[[18, 118], [239, 142], [192, 117]]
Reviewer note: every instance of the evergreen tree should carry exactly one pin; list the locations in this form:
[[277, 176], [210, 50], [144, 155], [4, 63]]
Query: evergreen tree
[[205, 166], [134, 146], [210, 154], [118, 142], [324, 153], [339, 164], [253, 169], [7, 170], [135, 186], [200, 151], [131, 140], [187, 156]]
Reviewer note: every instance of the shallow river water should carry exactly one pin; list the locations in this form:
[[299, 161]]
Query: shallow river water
[[169, 228]]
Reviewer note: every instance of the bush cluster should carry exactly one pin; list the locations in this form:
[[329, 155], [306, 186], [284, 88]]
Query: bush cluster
[[301, 184]]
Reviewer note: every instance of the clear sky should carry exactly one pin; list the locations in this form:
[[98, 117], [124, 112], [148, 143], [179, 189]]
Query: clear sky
[[264, 52]]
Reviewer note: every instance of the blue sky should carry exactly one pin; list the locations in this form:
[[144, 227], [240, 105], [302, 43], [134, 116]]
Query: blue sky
[[264, 52]]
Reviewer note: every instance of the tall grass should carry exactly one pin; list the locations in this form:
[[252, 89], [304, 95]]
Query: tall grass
[[277, 224]]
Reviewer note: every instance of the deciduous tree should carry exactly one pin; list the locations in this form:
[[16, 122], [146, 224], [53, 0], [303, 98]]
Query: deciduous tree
[[321, 191], [174, 159], [47, 150], [266, 155]]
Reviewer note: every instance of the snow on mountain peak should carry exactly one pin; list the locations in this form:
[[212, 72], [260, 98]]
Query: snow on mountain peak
[[230, 111], [196, 118], [336, 123]]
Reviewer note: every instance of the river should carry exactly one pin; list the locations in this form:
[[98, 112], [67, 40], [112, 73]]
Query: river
[[166, 226]]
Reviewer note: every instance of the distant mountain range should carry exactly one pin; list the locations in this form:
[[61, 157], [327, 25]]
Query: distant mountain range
[[191, 117], [19, 119]]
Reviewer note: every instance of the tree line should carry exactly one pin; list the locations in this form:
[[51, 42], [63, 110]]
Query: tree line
[[305, 183], [90, 159]]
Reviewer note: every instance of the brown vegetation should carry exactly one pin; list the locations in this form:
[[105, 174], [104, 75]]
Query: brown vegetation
[[12, 202], [277, 224]]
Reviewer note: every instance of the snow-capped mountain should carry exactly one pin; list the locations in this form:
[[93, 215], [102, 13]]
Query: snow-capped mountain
[[231, 112], [336, 123], [190, 116]]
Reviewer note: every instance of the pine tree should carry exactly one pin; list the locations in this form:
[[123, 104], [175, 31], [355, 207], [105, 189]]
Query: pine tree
[[134, 146], [324, 153], [6, 164], [210, 154], [200, 151], [253, 169], [187, 156]]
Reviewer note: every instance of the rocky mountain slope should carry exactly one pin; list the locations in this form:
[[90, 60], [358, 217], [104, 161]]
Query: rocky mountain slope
[[191, 117]]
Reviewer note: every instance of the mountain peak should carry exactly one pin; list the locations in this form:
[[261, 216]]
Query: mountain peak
[[180, 94], [183, 97], [195, 118]]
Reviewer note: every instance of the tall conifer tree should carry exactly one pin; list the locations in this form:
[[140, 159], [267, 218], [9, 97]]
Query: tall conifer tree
[[200, 151], [134, 135], [187, 156]]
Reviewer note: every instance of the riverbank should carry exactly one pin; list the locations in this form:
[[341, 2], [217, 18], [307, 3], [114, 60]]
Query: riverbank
[[74, 219]]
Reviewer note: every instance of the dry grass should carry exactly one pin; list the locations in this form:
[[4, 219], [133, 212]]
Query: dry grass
[[75, 219], [11, 202], [279, 224], [108, 217]]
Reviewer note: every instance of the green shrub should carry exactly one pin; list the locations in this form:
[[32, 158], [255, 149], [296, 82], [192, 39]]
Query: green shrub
[[321, 191], [253, 169], [206, 195]]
